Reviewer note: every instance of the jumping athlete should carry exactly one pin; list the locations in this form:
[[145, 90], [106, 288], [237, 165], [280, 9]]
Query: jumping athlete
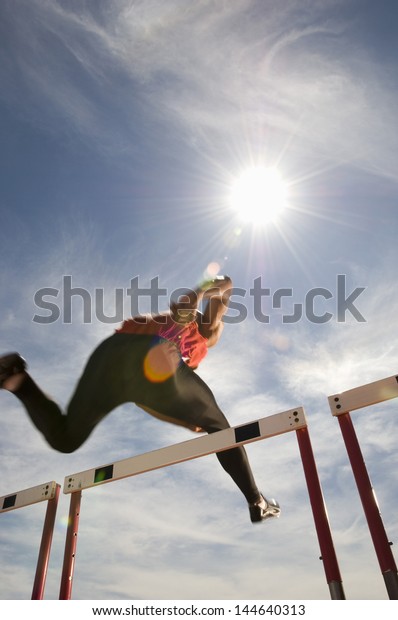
[[150, 361]]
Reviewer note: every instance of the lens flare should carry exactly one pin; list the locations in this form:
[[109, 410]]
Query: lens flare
[[161, 362], [212, 270]]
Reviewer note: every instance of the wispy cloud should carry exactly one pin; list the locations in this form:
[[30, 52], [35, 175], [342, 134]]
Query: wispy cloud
[[213, 69]]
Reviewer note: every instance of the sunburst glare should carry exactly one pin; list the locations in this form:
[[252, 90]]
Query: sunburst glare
[[259, 195]]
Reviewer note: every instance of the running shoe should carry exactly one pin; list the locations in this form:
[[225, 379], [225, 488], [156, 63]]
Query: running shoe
[[10, 364], [265, 509]]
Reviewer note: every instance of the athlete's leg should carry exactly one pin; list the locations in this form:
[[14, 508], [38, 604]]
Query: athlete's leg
[[107, 381], [44, 413], [186, 399]]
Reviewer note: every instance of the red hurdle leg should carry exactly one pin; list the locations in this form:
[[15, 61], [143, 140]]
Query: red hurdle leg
[[70, 547], [381, 544], [45, 547], [328, 556]]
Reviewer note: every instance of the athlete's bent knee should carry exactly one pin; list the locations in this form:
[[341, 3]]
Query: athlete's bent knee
[[64, 444]]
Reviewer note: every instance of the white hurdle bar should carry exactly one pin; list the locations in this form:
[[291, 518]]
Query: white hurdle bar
[[364, 396], [188, 450], [264, 428], [49, 492], [340, 406]]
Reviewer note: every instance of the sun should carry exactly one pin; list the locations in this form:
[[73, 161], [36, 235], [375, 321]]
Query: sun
[[259, 195]]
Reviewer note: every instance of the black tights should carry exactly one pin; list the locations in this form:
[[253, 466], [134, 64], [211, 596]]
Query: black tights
[[145, 370]]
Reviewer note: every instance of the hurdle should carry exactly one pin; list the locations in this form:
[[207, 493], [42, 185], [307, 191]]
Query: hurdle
[[341, 405], [264, 428], [47, 492]]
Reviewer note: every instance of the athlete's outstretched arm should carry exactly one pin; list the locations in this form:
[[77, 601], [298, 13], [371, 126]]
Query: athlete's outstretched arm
[[217, 294]]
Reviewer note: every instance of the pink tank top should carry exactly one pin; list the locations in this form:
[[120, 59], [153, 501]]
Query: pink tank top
[[191, 344]]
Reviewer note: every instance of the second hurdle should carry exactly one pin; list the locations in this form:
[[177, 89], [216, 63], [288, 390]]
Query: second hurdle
[[264, 428]]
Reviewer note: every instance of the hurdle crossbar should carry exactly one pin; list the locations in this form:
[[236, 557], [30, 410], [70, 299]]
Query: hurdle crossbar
[[264, 428], [188, 450], [49, 492], [364, 396], [27, 497], [340, 406]]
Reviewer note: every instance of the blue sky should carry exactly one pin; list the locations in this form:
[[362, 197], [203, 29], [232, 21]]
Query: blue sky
[[123, 126]]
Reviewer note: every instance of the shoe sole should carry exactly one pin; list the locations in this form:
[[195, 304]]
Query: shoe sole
[[258, 514]]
